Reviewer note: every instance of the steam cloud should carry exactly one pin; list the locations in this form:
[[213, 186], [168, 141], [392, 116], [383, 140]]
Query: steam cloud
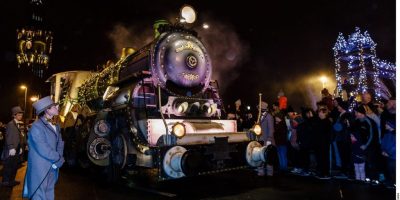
[[226, 50], [124, 36], [306, 91]]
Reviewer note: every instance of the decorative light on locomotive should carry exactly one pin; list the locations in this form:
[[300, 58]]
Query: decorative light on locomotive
[[206, 108], [188, 14], [209, 109], [256, 129], [182, 107], [179, 130]]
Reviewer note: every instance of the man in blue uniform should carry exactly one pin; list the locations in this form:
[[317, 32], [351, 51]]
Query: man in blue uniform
[[45, 152]]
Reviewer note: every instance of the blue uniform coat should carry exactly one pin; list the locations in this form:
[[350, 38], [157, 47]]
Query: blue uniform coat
[[45, 148]]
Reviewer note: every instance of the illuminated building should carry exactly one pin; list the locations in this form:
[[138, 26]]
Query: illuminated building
[[358, 70], [34, 43]]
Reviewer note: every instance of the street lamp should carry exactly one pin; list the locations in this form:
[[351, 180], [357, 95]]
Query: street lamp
[[323, 80], [26, 91], [33, 99]]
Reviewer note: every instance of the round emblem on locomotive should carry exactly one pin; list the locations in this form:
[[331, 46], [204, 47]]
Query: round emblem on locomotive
[[191, 61]]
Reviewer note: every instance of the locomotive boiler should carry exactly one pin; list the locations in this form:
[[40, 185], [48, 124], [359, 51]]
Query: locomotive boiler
[[155, 111]]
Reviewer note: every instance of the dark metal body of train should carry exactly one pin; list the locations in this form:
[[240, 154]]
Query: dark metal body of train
[[154, 112]]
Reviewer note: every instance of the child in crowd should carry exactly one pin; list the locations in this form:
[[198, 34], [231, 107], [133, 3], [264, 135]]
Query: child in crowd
[[358, 156]]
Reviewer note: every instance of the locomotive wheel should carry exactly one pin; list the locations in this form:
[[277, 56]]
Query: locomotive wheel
[[82, 137], [118, 157], [119, 151]]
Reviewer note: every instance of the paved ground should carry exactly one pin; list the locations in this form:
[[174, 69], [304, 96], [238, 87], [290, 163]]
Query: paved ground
[[238, 185]]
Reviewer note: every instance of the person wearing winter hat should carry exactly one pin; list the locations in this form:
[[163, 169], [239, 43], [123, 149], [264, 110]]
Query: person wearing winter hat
[[46, 152], [12, 148], [369, 137]]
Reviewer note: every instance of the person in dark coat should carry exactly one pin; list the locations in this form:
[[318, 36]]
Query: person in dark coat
[[369, 136], [280, 136], [267, 137], [341, 129], [389, 151], [12, 148], [305, 132], [45, 152], [322, 142], [358, 156]]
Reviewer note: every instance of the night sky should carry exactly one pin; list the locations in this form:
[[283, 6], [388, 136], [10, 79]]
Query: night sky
[[255, 48]]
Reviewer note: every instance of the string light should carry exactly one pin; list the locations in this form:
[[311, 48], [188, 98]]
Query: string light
[[357, 68]]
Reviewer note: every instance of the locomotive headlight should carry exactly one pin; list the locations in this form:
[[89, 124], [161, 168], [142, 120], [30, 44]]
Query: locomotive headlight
[[188, 14], [209, 109], [179, 130], [256, 129], [182, 107]]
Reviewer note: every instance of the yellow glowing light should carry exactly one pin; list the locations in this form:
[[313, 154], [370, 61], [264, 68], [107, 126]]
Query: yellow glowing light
[[23, 87], [188, 14], [257, 129], [179, 130], [34, 98], [183, 107], [323, 80]]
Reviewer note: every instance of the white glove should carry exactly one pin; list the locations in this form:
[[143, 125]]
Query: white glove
[[268, 143], [20, 151], [54, 166], [12, 152]]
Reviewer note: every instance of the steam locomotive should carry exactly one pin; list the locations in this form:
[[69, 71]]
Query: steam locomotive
[[155, 111]]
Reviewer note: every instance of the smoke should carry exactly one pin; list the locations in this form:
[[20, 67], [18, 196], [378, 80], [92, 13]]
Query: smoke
[[306, 91], [225, 48], [312, 97], [130, 36]]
